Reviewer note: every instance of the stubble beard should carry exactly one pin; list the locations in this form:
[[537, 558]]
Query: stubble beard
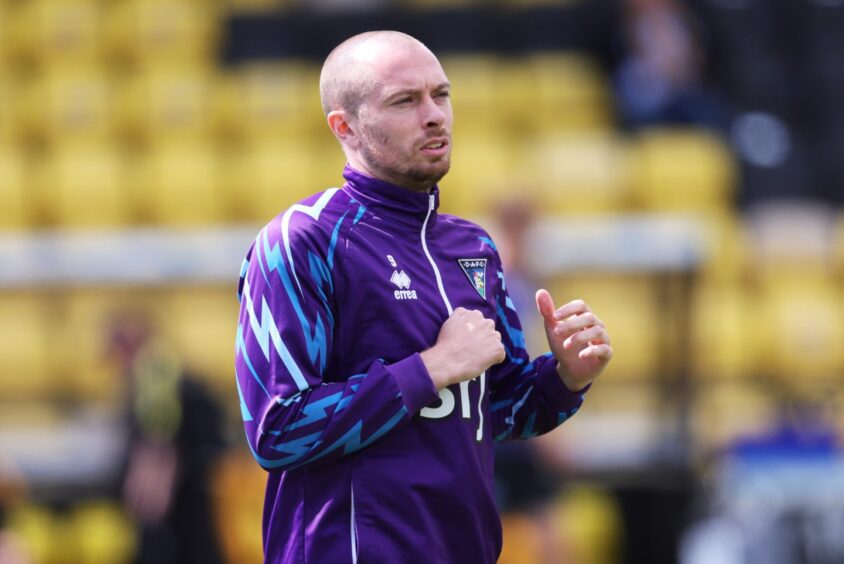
[[414, 179]]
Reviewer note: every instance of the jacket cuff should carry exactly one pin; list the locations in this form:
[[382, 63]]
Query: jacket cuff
[[554, 391], [415, 384]]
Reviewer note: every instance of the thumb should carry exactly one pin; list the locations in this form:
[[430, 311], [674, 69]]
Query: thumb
[[545, 305]]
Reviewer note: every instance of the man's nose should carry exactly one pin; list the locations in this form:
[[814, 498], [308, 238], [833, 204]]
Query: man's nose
[[434, 114]]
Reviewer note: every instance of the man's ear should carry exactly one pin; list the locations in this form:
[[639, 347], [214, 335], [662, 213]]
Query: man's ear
[[341, 124]]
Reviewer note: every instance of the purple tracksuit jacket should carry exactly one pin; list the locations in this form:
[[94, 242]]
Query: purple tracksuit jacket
[[367, 463]]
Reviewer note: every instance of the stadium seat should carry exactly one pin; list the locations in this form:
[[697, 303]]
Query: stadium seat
[[25, 346], [727, 250], [588, 525], [149, 33], [102, 532], [577, 174], [723, 332], [168, 104], [85, 186], [802, 327], [179, 185], [9, 95], [682, 170], [264, 178], [39, 531], [201, 324], [558, 92], [476, 93], [15, 194], [635, 314], [51, 33], [272, 102], [69, 105], [482, 172]]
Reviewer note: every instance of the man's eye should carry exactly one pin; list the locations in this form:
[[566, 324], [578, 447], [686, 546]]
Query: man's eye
[[403, 100], [442, 95]]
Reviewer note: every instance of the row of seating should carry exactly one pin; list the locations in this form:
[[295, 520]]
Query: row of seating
[[189, 184], [783, 329], [88, 102], [53, 33]]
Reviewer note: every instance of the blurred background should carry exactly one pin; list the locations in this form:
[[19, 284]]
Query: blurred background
[[678, 164]]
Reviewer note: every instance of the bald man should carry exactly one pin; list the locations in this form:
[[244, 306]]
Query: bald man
[[378, 354]]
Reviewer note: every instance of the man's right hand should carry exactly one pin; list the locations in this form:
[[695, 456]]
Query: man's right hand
[[467, 345]]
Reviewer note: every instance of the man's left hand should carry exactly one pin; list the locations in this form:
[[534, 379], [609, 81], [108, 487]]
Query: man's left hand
[[577, 338]]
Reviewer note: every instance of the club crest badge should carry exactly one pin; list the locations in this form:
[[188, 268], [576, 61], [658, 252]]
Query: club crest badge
[[475, 270]]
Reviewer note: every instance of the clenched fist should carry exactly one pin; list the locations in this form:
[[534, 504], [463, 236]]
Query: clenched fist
[[467, 345]]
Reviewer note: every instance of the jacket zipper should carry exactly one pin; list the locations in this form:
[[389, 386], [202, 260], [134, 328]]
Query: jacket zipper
[[464, 386]]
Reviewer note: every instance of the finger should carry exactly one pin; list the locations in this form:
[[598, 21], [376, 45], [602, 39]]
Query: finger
[[576, 323], [545, 305], [602, 352], [574, 307], [585, 336]]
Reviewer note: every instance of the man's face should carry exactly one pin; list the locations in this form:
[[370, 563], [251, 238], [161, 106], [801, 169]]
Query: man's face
[[404, 124]]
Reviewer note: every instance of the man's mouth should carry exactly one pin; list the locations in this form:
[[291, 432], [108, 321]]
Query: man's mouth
[[436, 145]]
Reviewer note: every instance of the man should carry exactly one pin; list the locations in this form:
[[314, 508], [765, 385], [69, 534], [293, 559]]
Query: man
[[378, 354]]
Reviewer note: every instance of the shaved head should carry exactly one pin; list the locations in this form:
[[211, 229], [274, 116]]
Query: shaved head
[[346, 78]]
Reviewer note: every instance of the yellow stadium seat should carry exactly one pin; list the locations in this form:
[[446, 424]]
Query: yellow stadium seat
[[726, 248], [201, 324], [723, 332], [168, 105], [801, 328], [475, 93], [9, 103], [25, 336], [85, 186], [55, 32], [103, 533], [558, 92], [180, 185], [577, 174], [40, 533], [482, 172], [69, 105], [15, 190], [588, 523], [238, 487], [723, 412], [635, 315], [263, 179], [266, 102], [150, 33], [682, 170]]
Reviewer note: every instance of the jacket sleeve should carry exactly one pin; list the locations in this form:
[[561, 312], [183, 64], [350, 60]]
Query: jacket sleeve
[[294, 412], [527, 397]]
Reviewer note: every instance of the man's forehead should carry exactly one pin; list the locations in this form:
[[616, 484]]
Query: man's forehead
[[383, 59]]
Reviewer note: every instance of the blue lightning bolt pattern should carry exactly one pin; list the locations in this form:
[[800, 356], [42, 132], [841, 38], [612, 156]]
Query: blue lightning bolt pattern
[[295, 448], [240, 346], [351, 440], [315, 411], [267, 330], [313, 211]]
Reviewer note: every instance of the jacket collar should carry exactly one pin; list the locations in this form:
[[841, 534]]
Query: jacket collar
[[390, 200]]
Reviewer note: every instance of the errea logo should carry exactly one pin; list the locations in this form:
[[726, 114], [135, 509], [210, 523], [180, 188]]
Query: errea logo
[[402, 280]]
